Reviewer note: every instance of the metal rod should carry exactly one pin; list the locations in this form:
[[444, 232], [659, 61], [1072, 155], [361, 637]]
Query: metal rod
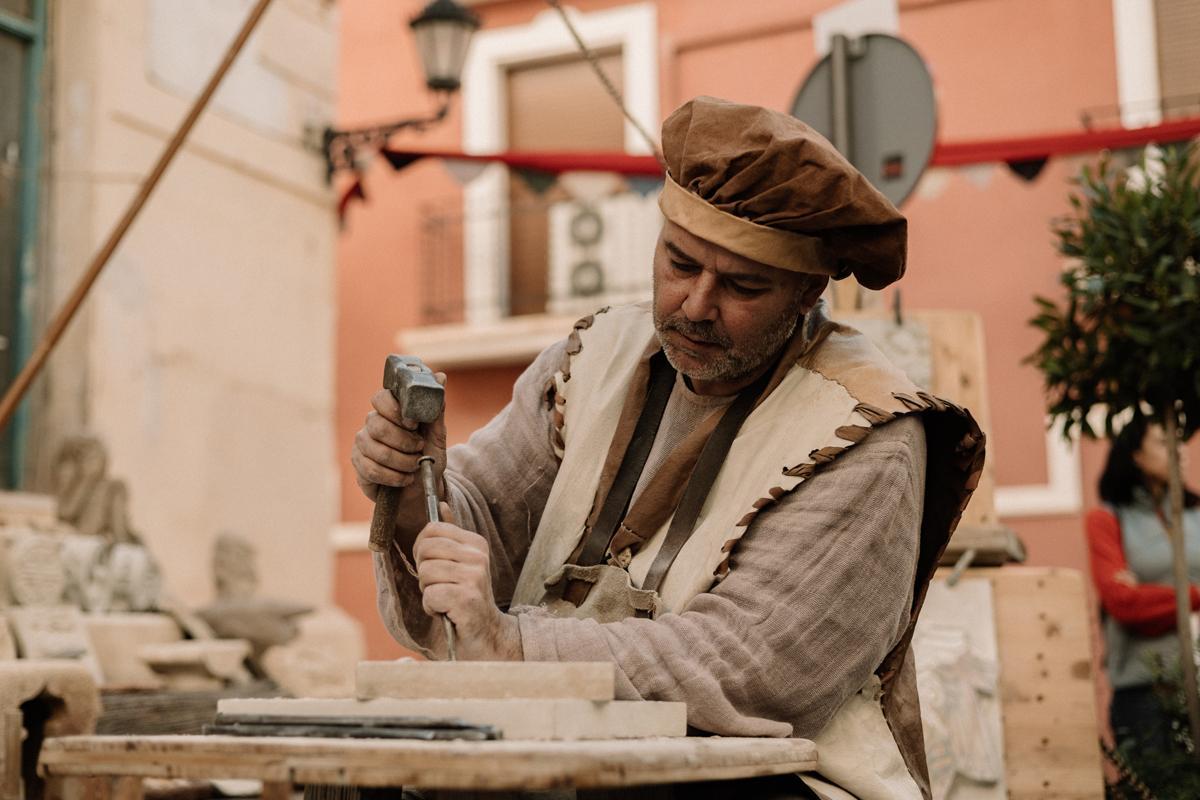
[[429, 485], [12, 397], [339, 146], [840, 92]]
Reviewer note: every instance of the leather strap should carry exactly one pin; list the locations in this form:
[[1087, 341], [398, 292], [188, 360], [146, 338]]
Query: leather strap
[[712, 458], [658, 392]]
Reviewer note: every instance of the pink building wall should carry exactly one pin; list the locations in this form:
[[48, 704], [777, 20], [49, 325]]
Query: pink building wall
[[979, 237]]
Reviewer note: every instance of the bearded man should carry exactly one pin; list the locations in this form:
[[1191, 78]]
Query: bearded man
[[736, 501]]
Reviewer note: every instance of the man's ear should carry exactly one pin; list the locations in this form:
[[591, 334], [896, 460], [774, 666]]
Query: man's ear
[[812, 292]]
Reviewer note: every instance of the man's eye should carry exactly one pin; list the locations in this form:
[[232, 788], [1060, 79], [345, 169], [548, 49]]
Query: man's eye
[[685, 267], [747, 291]]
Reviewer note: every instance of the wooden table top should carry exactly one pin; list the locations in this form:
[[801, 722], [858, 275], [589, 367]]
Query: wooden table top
[[489, 765]]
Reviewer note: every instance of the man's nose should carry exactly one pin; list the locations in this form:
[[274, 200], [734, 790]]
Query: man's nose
[[701, 301]]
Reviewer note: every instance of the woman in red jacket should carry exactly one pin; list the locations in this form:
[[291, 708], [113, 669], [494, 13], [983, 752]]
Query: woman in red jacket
[[1131, 565]]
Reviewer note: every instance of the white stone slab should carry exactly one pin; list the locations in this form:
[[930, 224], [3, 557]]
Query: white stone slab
[[956, 654]]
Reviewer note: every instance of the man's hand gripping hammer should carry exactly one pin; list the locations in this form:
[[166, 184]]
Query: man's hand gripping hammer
[[421, 399]]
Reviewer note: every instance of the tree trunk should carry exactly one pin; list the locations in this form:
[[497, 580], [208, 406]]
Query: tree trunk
[[1183, 604]]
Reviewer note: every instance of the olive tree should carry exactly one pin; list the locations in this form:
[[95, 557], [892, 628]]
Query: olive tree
[[1126, 339]]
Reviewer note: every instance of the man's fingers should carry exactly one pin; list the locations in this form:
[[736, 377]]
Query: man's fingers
[[443, 547], [383, 430], [385, 403], [447, 530], [383, 455], [442, 598], [446, 513], [376, 473], [433, 571]]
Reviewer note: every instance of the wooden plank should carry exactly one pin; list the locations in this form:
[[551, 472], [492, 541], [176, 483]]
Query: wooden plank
[[126, 787], [959, 375], [12, 734], [444, 765], [566, 720], [485, 680], [277, 790], [77, 787], [1047, 698]]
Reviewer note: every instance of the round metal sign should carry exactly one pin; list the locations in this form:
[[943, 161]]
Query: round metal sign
[[890, 112]]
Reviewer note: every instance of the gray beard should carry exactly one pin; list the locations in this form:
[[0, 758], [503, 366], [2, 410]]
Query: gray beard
[[733, 362]]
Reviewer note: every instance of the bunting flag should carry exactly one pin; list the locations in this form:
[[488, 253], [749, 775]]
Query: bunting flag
[[643, 186], [553, 162], [538, 180], [1029, 168], [588, 187], [1048, 146], [1025, 156], [462, 170]]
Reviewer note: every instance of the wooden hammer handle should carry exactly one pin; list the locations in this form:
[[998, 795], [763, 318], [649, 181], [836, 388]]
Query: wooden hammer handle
[[383, 520]]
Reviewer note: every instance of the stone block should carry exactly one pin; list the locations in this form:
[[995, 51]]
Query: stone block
[[52, 632], [564, 720], [63, 697], [35, 571], [116, 638], [321, 660], [485, 680], [28, 509], [198, 665], [8, 645]]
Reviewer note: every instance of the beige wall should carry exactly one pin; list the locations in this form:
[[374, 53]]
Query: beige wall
[[204, 356]]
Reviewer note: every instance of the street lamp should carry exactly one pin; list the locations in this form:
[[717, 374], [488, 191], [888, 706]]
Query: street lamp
[[443, 30]]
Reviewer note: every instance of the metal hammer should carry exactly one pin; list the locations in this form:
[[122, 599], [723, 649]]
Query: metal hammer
[[421, 399]]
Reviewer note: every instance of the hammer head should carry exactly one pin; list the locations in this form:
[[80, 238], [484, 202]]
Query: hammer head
[[420, 396]]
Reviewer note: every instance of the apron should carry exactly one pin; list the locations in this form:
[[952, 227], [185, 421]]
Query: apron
[[830, 390]]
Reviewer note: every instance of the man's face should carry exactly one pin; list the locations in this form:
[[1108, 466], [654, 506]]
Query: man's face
[[722, 317]]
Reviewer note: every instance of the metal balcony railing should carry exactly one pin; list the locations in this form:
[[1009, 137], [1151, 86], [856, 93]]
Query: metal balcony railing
[[554, 257]]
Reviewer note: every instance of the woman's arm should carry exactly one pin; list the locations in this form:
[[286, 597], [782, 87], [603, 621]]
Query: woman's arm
[[1147, 609]]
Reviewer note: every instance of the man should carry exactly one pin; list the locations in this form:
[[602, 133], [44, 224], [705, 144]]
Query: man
[[733, 499]]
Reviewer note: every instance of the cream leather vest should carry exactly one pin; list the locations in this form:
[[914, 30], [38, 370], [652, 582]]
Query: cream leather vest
[[844, 386]]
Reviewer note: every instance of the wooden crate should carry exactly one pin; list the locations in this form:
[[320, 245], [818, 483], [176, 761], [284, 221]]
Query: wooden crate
[[1047, 700]]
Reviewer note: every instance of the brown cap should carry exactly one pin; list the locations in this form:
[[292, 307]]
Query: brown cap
[[766, 186]]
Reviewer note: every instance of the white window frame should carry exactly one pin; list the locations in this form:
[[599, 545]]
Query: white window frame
[[633, 29]]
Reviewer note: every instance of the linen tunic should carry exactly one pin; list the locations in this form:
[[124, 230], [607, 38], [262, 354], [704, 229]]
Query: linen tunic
[[819, 593]]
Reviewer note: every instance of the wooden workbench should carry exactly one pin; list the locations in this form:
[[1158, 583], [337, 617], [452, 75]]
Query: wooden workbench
[[99, 767]]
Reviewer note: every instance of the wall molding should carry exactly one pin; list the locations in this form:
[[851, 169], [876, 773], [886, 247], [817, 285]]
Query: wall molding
[[1061, 494], [1135, 41]]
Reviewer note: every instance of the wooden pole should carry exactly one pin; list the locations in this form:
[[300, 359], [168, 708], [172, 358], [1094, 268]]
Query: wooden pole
[[12, 397], [1183, 595]]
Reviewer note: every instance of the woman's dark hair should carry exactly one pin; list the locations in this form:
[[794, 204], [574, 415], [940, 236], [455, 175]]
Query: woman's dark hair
[[1122, 475]]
